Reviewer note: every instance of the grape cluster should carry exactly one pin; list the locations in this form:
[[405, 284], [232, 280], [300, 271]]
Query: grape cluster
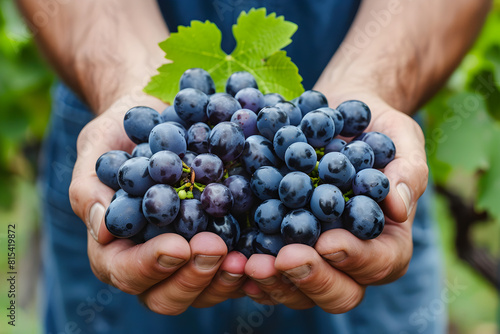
[[259, 171]]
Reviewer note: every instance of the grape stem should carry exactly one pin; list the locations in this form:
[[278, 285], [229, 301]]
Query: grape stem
[[348, 195]]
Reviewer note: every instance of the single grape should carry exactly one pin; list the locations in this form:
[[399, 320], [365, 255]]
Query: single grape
[[311, 100], [293, 112], [227, 228], [217, 200], [169, 115], [150, 231], [191, 218], [133, 176], [360, 154], [226, 140], [336, 145], [160, 204], [268, 243], [118, 193], [336, 223], [269, 215], [356, 116], [245, 244], [271, 99], [238, 170], [165, 167], [265, 182], [167, 136], [327, 203], [372, 183], [258, 152], [318, 128], [142, 150], [208, 168], [383, 148], [295, 190], [301, 157], [221, 108], [335, 168], [247, 120], [337, 118], [286, 136], [197, 137], [107, 167], [179, 127], [270, 120], [300, 226], [239, 80], [243, 197], [363, 217], [138, 123], [191, 105], [189, 157], [124, 217], [197, 78], [250, 98]]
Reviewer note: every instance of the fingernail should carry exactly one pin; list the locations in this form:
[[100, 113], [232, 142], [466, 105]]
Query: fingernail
[[299, 272], [95, 218], [206, 262], [405, 194], [230, 277], [169, 261], [267, 281], [336, 257]]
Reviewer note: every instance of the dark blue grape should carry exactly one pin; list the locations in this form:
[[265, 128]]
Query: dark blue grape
[[227, 228], [165, 167], [300, 226], [245, 244], [197, 138], [271, 99], [167, 136], [372, 183], [138, 123], [336, 223], [250, 98], [318, 128], [268, 243], [311, 100], [133, 176], [239, 80], [221, 108], [258, 152], [295, 190], [118, 193], [182, 130], [124, 217], [160, 204], [335, 168], [301, 157], [226, 140], [293, 112], [270, 120], [191, 218], [191, 105], [150, 231], [238, 170], [286, 136], [189, 158], [243, 197], [360, 154], [269, 215], [208, 168], [247, 120], [336, 145], [107, 167], [197, 78], [383, 148], [327, 203], [265, 182], [363, 217], [356, 116], [337, 118], [169, 115], [217, 200], [142, 150]]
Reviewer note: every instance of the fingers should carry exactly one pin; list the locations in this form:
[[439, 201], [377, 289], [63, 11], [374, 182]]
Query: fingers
[[174, 295], [134, 269], [272, 285], [226, 283], [327, 287], [377, 261]]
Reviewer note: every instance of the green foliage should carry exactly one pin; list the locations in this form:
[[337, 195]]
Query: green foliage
[[259, 39]]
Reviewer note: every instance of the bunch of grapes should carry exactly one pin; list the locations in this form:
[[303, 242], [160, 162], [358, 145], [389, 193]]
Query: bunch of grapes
[[259, 171]]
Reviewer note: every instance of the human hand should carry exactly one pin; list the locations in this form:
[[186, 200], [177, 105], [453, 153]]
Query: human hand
[[334, 273], [168, 273]]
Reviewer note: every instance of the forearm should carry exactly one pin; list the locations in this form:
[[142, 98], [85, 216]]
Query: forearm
[[102, 49], [404, 50]]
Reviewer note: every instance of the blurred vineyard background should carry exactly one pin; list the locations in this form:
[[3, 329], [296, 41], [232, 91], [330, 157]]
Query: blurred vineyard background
[[462, 125]]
